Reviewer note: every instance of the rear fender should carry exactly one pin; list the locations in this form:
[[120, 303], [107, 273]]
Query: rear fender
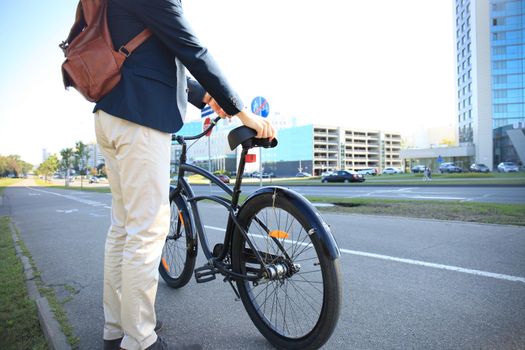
[[319, 229]]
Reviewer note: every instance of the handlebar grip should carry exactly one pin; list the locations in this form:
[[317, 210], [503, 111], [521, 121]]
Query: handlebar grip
[[265, 143]]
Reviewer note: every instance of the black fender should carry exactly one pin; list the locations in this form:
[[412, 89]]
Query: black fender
[[319, 230], [181, 201]]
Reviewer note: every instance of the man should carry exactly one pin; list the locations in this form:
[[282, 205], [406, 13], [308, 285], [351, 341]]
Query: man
[[133, 124]]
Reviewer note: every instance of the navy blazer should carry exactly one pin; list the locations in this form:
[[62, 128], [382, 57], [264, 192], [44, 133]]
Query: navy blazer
[[148, 91]]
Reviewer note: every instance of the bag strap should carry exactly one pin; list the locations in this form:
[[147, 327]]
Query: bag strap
[[128, 49]]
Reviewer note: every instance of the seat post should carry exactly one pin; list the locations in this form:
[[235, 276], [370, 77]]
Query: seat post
[[238, 178]]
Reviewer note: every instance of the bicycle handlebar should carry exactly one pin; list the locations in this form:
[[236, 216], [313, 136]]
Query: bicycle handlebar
[[246, 134], [198, 136]]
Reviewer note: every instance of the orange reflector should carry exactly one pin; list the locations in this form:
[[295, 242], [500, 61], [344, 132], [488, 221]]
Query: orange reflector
[[250, 158], [180, 217], [278, 234], [165, 264]]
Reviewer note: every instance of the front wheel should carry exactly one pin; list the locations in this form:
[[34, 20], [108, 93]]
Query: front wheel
[[298, 306], [180, 249]]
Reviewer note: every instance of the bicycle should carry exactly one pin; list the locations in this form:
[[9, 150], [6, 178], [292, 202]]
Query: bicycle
[[277, 249]]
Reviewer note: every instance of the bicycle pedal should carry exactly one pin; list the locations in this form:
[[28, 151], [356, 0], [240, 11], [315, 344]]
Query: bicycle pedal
[[205, 273]]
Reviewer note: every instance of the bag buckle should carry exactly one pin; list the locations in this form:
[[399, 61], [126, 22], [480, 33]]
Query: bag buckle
[[124, 51]]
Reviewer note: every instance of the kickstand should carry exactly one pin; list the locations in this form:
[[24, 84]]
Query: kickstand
[[233, 287]]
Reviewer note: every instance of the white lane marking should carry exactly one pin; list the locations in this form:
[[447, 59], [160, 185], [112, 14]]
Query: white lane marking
[[412, 262], [34, 194], [66, 211], [81, 200]]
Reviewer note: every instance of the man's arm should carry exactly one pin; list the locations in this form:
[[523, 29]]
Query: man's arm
[[166, 20], [196, 93]]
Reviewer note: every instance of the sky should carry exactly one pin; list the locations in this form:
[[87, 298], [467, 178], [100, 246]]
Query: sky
[[377, 64]]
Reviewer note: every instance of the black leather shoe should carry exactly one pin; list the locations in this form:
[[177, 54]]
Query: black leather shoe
[[114, 344], [160, 344]]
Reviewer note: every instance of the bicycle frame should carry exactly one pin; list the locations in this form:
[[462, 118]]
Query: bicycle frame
[[319, 231], [230, 205]]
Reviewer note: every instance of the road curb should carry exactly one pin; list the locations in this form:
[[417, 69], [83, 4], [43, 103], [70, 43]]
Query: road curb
[[56, 339]]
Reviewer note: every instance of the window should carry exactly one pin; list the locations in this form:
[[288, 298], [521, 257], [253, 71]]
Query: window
[[500, 64], [468, 34], [500, 79], [469, 86], [468, 48], [468, 73], [468, 60], [500, 93], [498, 7], [500, 50], [499, 35], [500, 108], [468, 21], [498, 21], [470, 114]]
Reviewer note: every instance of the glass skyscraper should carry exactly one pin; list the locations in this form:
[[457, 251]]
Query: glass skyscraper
[[490, 57]]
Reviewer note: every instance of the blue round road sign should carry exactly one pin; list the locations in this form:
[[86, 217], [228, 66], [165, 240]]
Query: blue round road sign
[[260, 106]]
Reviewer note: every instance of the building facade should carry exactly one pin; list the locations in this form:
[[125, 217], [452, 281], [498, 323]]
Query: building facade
[[306, 148], [490, 58]]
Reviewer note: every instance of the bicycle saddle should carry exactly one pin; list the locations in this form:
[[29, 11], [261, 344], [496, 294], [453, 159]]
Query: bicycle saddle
[[245, 136]]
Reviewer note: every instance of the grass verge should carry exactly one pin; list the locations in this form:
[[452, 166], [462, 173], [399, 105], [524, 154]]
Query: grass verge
[[40, 182], [19, 326], [49, 293], [4, 182], [489, 213]]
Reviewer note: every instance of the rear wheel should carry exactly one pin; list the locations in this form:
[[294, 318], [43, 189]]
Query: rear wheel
[[298, 305], [180, 251]]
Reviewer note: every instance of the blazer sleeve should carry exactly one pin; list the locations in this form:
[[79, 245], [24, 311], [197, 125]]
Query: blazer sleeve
[[166, 20], [195, 93]]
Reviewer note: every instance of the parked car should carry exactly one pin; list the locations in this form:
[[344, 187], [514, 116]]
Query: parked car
[[449, 168], [303, 174], [344, 176], [224, 178], [508, 167], [418, 169], [367, 171], [479, 168], [93, 180], [391, 171], [268, 175]]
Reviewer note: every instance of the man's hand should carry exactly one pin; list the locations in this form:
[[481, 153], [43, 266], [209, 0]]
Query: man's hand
[[261, 125], [214, 105]]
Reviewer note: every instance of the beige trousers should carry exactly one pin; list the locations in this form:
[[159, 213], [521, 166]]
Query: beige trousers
[[138, 165]]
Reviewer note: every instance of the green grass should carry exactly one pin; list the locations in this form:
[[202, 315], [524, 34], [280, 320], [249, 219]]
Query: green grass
[[4, 182], [40, 182], [55, 304], [19, 326], [490, 213]]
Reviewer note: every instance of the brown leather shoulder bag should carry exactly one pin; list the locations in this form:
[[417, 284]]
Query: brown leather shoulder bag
[[92, 65]]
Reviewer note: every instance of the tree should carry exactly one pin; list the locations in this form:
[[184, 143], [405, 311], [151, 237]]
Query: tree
[[67, 162], [48, 167], [14, 165], [81, 158], [101, 168]]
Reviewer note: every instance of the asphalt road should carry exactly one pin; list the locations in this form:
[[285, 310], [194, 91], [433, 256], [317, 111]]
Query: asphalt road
[[494, 194], [408, 284]]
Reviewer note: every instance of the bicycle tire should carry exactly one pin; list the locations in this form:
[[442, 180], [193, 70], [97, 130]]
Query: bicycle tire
[[317, 331], [178, 257]]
